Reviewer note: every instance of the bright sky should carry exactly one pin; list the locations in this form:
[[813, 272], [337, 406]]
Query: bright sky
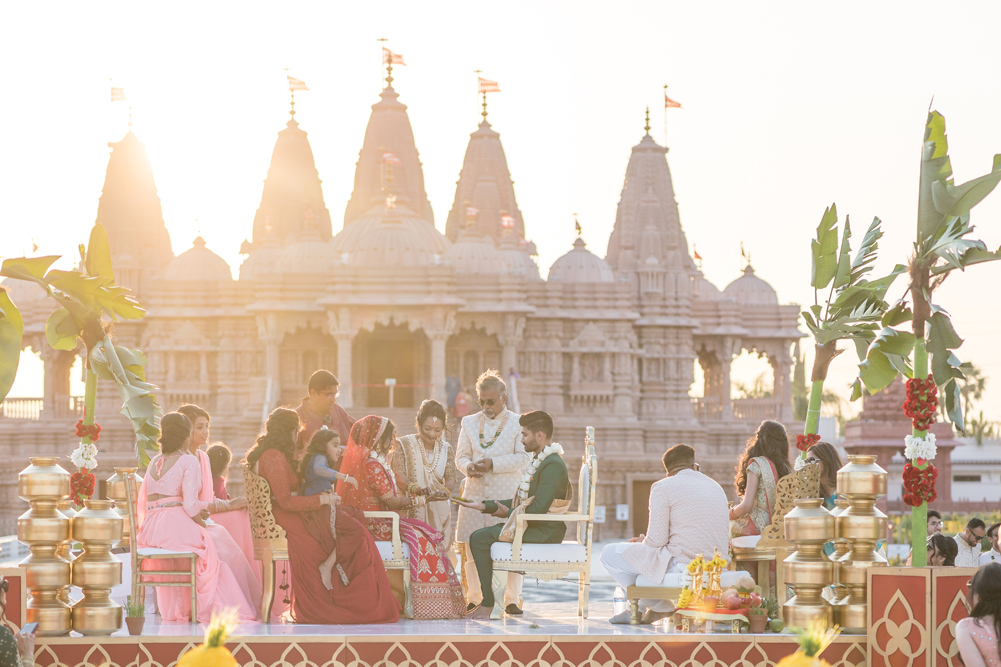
[[787, 107]]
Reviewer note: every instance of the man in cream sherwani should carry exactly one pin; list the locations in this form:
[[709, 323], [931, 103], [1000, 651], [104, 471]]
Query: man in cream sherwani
[[491, 457], [688, 517]]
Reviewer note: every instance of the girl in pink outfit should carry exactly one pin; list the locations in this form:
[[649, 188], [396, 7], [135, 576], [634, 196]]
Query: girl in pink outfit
[[977, 635], [171, 516]]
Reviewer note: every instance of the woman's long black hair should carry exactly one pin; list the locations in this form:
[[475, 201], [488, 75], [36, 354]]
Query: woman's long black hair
[[280, 432], [770, 441]]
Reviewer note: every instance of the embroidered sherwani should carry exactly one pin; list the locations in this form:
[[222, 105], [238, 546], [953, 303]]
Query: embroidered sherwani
[[509, 459]]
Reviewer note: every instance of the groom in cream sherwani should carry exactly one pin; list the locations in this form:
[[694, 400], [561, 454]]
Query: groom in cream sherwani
[[491, 457]]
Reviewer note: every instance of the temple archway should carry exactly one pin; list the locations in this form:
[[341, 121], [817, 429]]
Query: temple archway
[[469, 353], [391, 352], [302, 353]]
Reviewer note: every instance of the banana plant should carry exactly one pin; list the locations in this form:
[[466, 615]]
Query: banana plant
[[854, 306], [941, 247], [87, 297]]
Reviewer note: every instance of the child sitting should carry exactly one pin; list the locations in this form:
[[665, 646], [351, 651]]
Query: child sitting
[[219, 459], [324, 450]]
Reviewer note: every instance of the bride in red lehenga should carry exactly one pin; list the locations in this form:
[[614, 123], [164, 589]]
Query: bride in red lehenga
[[315, 525], [435, 589]]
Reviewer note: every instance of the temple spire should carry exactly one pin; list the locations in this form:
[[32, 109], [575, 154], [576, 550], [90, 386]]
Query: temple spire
[[388, 132], [485, 186]]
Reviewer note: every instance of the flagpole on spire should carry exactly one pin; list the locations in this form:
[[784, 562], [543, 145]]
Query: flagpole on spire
[[646, 126], [292, 95], [486, 86], [665, 115], [382, 55], [294, 85]]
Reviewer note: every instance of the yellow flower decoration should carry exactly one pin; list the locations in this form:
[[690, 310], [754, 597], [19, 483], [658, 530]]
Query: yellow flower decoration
[[213, 652], [697, 563], [685, 599], [812, 642]]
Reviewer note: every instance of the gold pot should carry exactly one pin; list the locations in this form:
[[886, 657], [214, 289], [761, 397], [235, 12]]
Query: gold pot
[[809, 522], [97, 524], [862, 477], [44, 479], [97, 614], [116, 490], [96, 571]]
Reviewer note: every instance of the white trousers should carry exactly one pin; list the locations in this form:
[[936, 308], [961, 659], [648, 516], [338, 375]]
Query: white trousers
[[625, 575], [471, 581]]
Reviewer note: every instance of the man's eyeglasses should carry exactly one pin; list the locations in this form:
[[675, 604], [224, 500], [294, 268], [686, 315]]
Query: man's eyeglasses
[[488, 403]]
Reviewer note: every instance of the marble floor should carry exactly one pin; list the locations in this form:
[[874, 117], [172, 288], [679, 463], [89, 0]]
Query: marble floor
[[550, 609]]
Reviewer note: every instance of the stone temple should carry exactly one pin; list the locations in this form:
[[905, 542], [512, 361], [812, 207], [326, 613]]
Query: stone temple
[[605, 341]]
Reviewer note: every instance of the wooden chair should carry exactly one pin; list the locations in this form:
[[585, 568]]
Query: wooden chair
[[270, 542], [551, 561], [772, 546], [142, 554]]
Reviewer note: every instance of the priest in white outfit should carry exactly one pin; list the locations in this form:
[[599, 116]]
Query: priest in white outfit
[[491, 457]]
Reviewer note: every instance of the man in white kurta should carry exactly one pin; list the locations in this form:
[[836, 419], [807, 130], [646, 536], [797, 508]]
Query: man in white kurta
[[490, 455], [688, 517]]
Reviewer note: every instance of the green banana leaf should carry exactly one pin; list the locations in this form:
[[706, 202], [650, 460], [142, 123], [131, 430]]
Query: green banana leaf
[[11, 330]]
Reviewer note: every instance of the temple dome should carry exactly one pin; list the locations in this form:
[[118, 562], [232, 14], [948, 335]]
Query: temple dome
[[386, 237], [751, 289], [198, 264], [262, 261], [703, 290], [309, 255], [475, 255], [580, 265]]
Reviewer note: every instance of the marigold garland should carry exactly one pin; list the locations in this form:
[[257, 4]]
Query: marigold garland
[[82, 485], [919, 485], [921, 403], [92, 431], [804, 442]]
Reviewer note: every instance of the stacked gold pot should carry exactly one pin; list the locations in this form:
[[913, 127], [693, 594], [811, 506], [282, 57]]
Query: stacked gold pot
[[861, 526], [809, 526], [45, 530], [98, 526]]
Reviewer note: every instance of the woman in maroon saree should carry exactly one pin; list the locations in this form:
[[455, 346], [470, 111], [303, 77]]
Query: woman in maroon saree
[[362, 593]]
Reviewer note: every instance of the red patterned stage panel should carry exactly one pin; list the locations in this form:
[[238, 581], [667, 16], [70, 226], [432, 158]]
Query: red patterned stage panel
[[949, 589], [913, 613], [653, 648]]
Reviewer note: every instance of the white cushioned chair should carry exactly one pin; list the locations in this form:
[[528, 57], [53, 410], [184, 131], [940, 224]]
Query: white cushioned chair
[[552, 561]]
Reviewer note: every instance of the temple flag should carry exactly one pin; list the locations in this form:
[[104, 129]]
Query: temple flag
[[487, 86], [295, 84], [670, 104], [390, 58], [389, 158], [118, 94]]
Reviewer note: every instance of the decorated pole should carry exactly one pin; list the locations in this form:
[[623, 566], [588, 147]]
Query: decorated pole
[[941, 247]]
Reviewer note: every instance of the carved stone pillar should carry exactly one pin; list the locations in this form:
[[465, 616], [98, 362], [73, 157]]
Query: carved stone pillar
[[267, 329], [344, 341], [203, 367], [57, 365], [513, 330], [781, 363], [438, 341]]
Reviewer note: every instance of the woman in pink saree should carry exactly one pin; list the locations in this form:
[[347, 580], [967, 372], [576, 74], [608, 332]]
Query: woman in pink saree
[[171, 516], [231, 514]]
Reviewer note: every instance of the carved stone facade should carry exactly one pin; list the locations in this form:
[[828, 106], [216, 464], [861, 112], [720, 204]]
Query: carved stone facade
[[394, 307]]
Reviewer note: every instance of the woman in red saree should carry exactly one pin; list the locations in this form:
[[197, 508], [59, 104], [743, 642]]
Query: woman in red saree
[[315, 525], [435, 590]]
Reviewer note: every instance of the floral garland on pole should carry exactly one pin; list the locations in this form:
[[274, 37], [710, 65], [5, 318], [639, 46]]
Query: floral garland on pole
[[919, 477]]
